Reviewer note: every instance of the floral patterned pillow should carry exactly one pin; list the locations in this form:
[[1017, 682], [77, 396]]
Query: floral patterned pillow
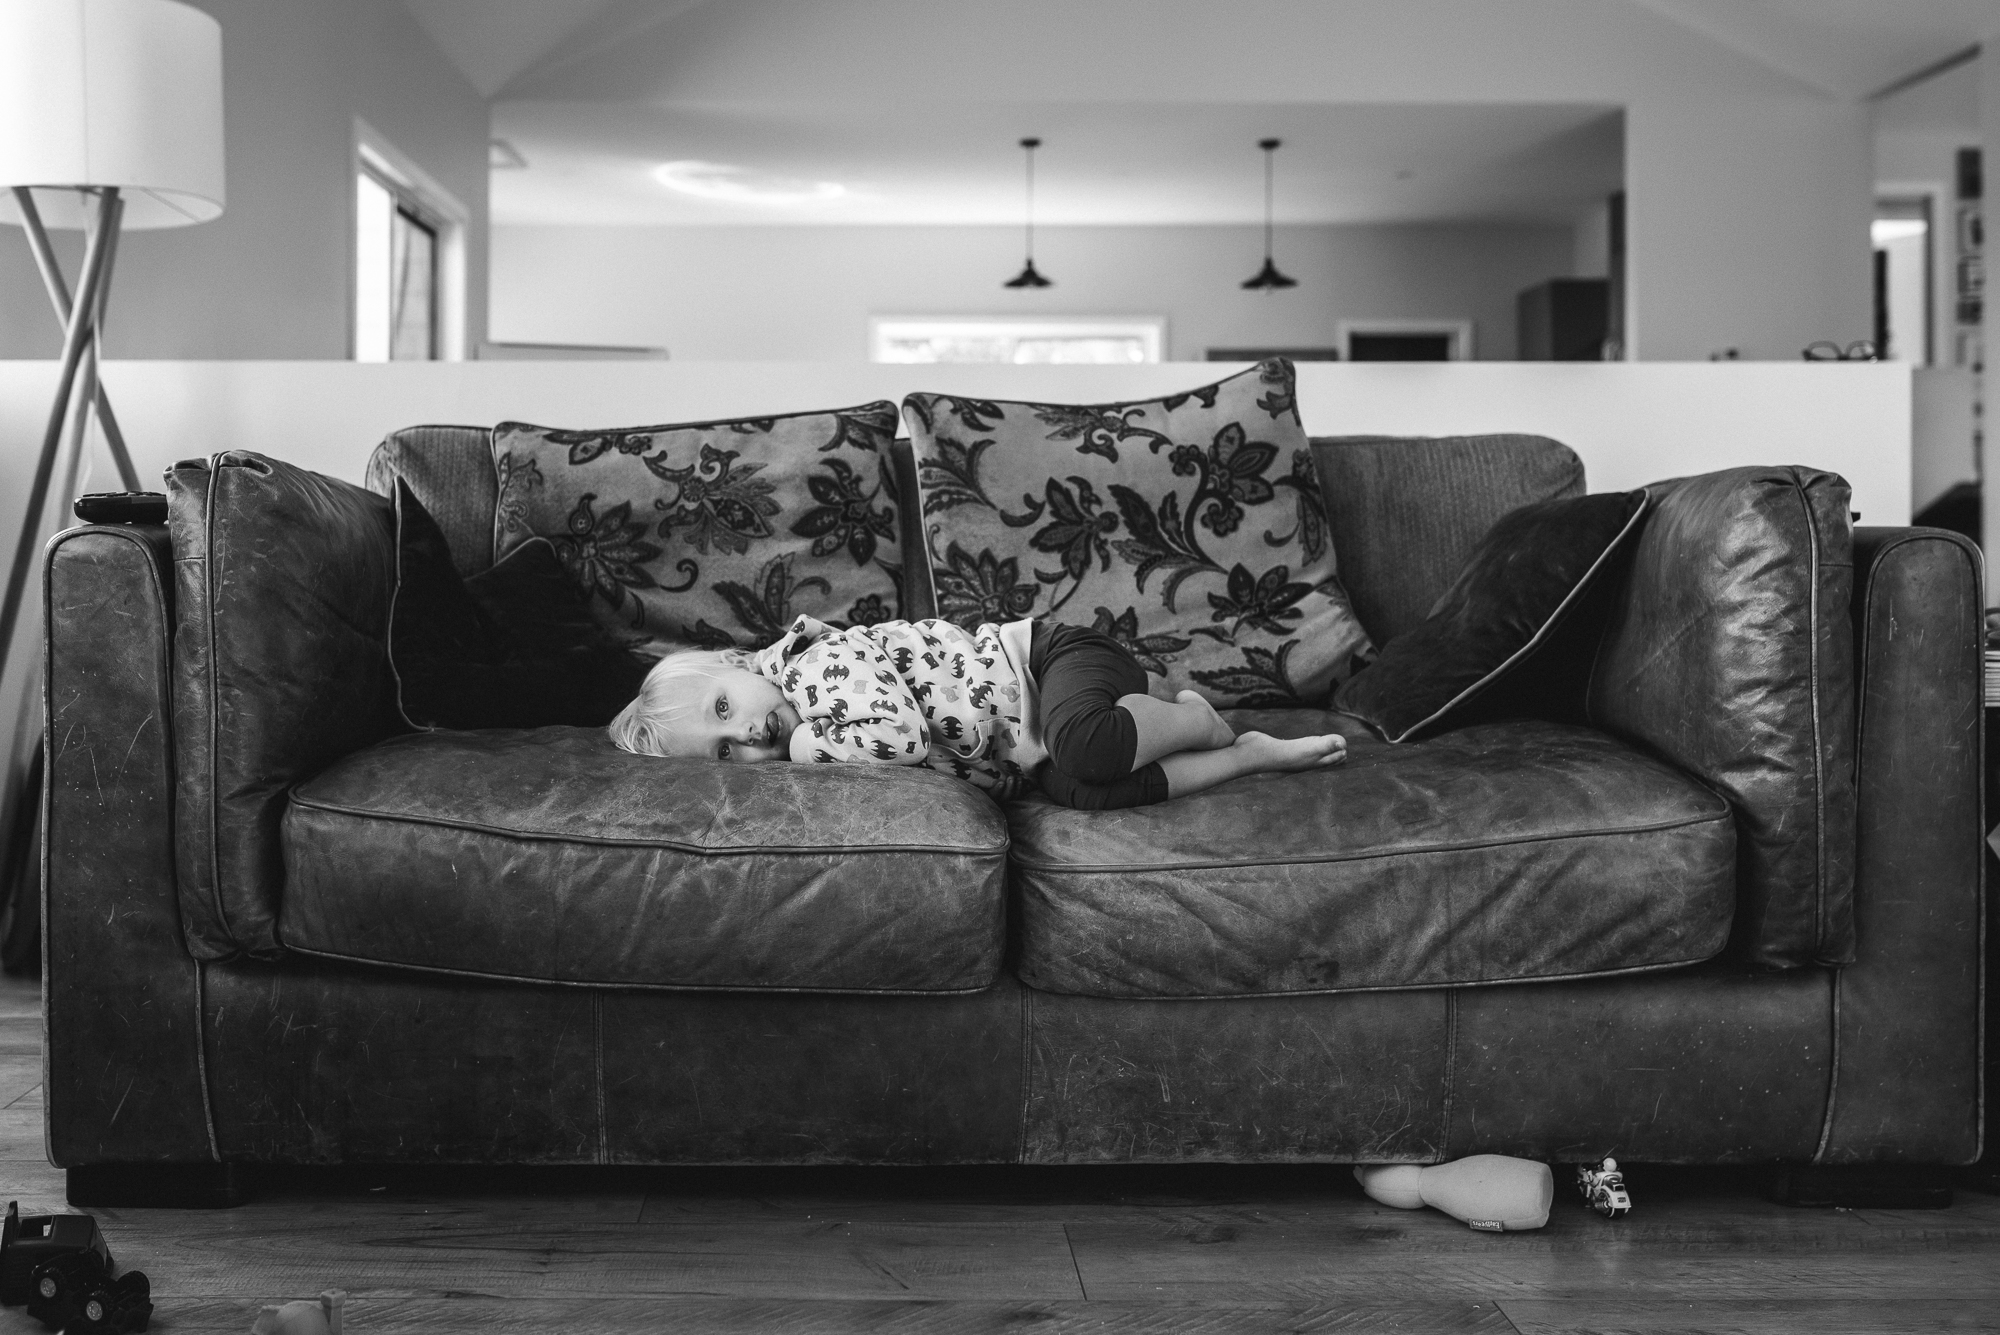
[[714, 534], [1190, 529]]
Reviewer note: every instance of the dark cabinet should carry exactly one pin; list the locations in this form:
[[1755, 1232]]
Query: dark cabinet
[[1564, 320]]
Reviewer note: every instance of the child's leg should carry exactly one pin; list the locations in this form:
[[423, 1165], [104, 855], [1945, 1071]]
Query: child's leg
[[1141, 788], [1252, 753], [1190, 723], [1097, 720]]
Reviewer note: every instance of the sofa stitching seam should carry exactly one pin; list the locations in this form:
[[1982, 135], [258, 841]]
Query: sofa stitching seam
[[1815, 614], [804, 990], [597, 1066], [209, 700], [1450, 1069], [1431, 985], [1107, 868], [723, 850], [1027, 1069]]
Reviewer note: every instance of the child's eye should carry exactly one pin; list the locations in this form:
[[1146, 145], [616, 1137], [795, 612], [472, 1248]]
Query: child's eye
[[722, 751], [722, 706]]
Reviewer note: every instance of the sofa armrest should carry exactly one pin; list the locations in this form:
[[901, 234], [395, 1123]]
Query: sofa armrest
[[283, 583], [1730, 655], [1907, 1012], [122, 994]]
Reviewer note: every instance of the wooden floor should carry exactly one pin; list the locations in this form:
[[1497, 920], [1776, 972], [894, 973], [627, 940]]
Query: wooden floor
[[1050, 1251]]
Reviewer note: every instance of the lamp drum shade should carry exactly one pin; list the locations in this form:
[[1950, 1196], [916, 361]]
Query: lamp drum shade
[[124, 93]]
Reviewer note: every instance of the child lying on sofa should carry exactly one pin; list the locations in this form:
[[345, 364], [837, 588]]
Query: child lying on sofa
[[992, 706]]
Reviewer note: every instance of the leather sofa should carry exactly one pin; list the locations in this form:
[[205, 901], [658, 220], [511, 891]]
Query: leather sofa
[[281, 929]]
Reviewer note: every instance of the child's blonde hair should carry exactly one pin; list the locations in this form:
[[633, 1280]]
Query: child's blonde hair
[[670, 692]]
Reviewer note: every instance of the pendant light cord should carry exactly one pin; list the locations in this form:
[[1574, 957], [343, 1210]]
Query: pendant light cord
[[1270, 147], [1031, 145]]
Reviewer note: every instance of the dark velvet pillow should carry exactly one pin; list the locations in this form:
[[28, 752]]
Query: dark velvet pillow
[[512, 647], [1514, 632]]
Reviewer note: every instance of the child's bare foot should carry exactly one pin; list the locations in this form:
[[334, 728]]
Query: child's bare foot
[[1220, 734], [1266, 753]]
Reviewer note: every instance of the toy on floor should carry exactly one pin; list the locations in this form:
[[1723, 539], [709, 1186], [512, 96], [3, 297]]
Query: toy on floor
[[1604, 1187], [303, 1317], [59, 1265], [1489, 1192], [28, 1240]]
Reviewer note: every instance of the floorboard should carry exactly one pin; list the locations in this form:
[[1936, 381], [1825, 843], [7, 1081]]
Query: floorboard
[[1212, 1250], [1671, 1316], [753, 1316]]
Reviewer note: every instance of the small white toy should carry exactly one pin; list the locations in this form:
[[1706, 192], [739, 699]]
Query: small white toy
[[304, 1317], [1604, 1188], [1490, 1192]]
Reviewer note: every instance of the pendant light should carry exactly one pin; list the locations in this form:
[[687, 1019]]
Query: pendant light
[[1028, 277], [1268, 278]]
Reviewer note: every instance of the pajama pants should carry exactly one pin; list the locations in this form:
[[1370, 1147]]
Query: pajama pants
[[1080, 674]]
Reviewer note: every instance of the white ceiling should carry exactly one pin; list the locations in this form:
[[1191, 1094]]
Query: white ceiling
[[1166, 163], [575, 87], [1850, 48]]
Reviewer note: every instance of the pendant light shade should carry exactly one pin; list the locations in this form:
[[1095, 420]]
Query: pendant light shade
[[1028, 277], [1268, 278]]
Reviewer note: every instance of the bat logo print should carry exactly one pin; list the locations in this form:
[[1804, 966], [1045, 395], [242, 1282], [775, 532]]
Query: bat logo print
[[950, 728], [904, 658], [838, 707], [881, 750], [836, 672], [981, 694]]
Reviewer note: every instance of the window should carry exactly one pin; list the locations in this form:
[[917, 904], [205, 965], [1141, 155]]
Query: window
[[1406, 340], [409, 259], [1117, 342], [395, 276], [1901, 233]]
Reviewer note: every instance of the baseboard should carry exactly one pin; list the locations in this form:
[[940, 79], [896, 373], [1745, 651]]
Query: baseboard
[[1865, 1186], [175, 1186]]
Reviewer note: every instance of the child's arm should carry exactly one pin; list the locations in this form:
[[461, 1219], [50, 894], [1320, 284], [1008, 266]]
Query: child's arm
[[857, 709]]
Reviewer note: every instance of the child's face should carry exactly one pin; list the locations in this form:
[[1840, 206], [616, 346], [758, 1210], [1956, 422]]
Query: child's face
[[741, 717]]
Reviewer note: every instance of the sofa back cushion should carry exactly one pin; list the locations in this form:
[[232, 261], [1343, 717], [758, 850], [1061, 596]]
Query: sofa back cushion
[[712, 533], [449, 469], [1405, 512], [1732, 655], [1189, 528]]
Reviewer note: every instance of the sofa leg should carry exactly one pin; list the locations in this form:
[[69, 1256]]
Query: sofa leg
[[176, 1186], [1864, 1186]]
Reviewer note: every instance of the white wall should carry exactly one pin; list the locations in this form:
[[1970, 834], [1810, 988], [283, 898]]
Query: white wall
[[1631, 423], [271, 277], [805, 293], [1748, 191]]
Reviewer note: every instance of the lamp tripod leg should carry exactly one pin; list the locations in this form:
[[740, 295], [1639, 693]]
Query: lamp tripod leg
[[59, 299], [75, 342]]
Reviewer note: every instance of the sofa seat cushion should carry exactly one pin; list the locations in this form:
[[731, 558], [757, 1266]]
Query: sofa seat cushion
[[1498, 853], [548, 855]]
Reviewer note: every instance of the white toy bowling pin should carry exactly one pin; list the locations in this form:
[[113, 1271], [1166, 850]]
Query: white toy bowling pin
[[1491, 1192], [303, 1318]]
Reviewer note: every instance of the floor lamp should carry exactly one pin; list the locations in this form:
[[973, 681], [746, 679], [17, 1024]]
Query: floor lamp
[[110, 119]]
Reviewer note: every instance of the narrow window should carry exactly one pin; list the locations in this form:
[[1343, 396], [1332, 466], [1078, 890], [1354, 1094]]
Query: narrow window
[[395, 274]]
